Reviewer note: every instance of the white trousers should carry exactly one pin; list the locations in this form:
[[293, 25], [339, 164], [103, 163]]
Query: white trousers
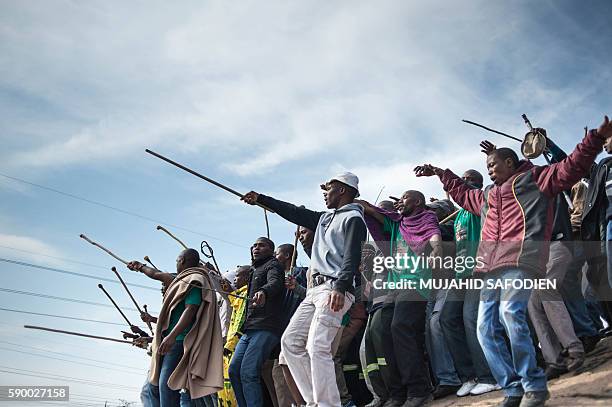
[[307, 346]]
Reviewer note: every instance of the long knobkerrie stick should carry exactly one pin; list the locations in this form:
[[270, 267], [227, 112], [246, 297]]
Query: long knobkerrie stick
[[492, 130], [267, 223], [294, 254], [449, 217], [148, 260], [101, 287], [76, 334], [163, 229], [183, 245], [82, 236], [378, 196], [205, 178], [130, 294]]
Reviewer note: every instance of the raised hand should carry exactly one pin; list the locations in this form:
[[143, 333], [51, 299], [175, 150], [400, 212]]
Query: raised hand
[[427, 170], [487, 147], [605, 129], [250, 198], [135, 265], [146, 317]]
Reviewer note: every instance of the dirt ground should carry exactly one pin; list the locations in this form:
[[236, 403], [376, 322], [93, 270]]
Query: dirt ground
[[591, 385]]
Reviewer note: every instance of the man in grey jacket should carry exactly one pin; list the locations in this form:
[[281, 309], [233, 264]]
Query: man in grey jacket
[[336, 253]]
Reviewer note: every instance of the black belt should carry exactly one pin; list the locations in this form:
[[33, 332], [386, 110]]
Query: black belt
[[318, 279]]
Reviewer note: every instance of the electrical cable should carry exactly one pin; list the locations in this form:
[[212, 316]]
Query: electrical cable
[[123, 211], [53, 297], [55, 257], [67, 354], [52, 376], [57, 270], [71, 361], [61, 316]]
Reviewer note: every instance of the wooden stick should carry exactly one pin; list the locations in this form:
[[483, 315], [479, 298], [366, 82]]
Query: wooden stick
[[449, 217], [205, 178], [267, 223], [148, 260], [294, 254], [491, 130], [378, 196], [101, 287], [130, 294], [163, 229], [82, 236], [76, 334]]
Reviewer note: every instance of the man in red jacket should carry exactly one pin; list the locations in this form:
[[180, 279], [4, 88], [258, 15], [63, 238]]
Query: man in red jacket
[[517, 213]]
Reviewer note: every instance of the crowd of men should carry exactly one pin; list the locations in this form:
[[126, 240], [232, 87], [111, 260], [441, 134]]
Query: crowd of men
[[273, 334]]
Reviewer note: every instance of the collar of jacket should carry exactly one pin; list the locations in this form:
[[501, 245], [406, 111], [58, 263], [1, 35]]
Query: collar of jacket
[[257, 263], [349, 207]]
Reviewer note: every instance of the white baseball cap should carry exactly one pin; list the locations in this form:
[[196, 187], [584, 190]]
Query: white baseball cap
[[347, 178]]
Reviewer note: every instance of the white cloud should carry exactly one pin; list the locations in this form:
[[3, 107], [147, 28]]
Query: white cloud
[[261, 85], [22, 247]]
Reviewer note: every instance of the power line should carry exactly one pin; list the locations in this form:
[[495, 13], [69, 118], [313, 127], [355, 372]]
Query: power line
[[55, 257], [71, 361], [53, 297], [68, 378], [88, 347], [61, 316], [123, 211], [57, 270], [67, 354]]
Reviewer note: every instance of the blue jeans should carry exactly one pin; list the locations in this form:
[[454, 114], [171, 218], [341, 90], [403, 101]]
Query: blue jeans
[[167, 396], [251, 352], [571, 290], [458, 319], [439, 355], [514, 369], [149, 395]]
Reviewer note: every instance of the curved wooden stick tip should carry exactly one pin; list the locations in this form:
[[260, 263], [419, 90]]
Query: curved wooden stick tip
[[100, 286], [82, 236], [158, 227], [114, 269]]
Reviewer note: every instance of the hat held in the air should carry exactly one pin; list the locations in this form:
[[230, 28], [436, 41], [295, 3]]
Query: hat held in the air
[[347, 178]]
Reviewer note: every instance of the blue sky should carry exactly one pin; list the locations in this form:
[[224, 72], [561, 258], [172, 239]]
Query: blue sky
[[271, 96]]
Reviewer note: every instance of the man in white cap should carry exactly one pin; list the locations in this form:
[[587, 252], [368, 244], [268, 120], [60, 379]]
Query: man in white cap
[[336, 253]]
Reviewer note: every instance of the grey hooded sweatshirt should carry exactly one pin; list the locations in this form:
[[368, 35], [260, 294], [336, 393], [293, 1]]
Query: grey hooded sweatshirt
[[339, 235]]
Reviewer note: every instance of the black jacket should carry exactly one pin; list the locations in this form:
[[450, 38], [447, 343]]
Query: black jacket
[[593, 227], [267, 275], [595, 203]]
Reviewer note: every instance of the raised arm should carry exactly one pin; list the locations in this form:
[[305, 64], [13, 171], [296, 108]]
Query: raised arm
[[563, 175], [165, 278], [369, 209], [468, 198], [294, 214]]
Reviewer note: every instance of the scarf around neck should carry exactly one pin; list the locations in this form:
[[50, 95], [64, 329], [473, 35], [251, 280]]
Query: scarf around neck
[[416, 228]]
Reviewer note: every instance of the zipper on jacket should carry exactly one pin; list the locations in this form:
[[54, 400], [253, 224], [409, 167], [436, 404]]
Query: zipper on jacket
[[499, 225]]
